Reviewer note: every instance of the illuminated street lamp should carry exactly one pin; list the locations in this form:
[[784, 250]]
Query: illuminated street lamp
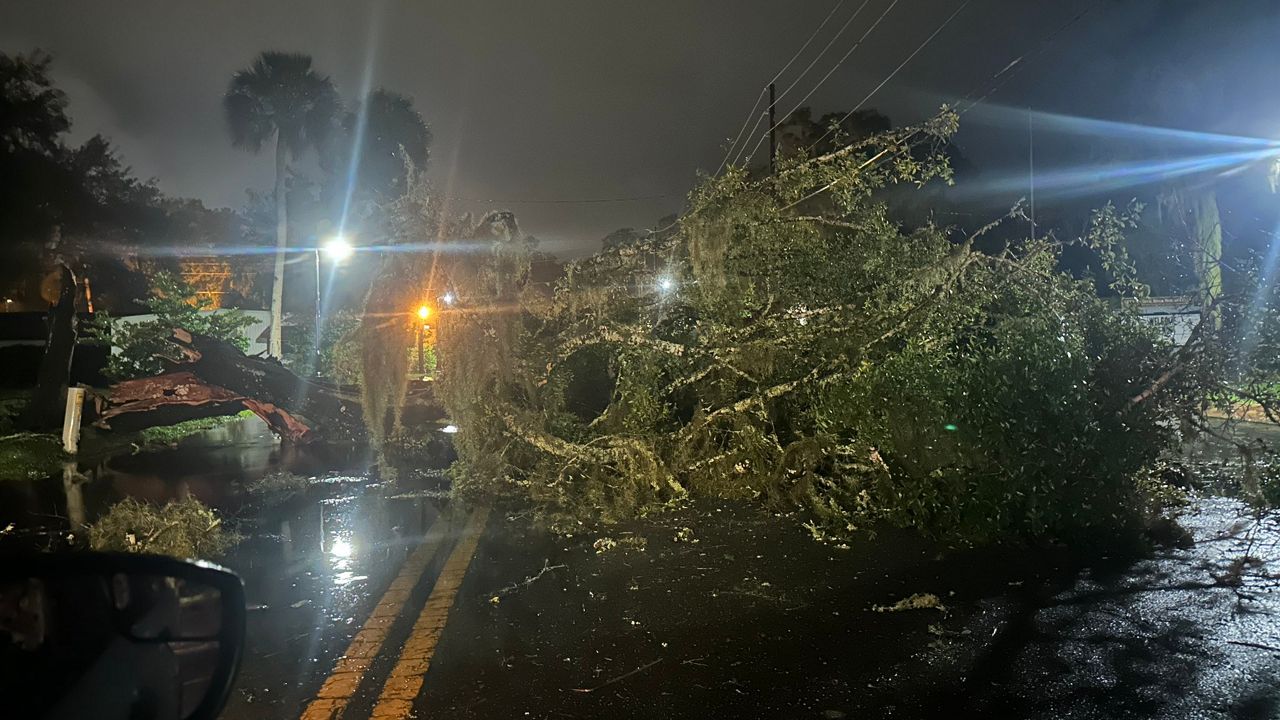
[[337, 249], [424, 312]]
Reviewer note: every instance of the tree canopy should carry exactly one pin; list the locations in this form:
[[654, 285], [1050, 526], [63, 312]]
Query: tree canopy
[[791, 342]]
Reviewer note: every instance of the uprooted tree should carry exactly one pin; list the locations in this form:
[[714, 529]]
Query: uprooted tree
[[789, 342]]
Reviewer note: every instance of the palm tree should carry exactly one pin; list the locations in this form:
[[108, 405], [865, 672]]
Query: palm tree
[[280, 96], [392, 131]]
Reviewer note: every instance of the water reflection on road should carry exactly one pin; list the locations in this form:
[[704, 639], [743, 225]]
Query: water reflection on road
[[313, 563]]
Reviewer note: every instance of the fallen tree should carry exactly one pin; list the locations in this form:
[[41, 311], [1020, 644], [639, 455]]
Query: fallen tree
[[207, 377], [788, 341]]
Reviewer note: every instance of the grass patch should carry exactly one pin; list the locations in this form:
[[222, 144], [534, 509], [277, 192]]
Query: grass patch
[[275, 488], [30, 456], [170, 434], [183, 529]]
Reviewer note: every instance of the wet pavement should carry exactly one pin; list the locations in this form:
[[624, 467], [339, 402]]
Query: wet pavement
[[368, 601]]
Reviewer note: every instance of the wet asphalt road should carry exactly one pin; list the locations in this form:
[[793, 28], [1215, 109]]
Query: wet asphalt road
[[750, 618], [708, 611]]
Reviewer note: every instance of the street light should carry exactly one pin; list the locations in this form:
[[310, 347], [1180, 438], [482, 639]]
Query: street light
[[337, 249], [424, 312]]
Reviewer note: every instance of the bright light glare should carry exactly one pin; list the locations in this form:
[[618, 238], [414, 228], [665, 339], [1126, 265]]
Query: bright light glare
[[338, 249], [666, 284], [451, 429], [448, 298], [424, 312], [341, 549]]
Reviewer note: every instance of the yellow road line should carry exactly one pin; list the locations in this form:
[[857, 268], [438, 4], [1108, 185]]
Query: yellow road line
[[350, 669], [406, 679]]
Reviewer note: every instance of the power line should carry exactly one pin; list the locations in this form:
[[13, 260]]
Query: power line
[[1016, 65], [891, 75], [559, 201], [802, 74], [763, 89], [824, 77]]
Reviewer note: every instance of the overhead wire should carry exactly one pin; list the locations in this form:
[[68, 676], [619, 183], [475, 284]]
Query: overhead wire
[[891, 75], [1015, 65], [752, 112], [561, 201], [835, 67], [803, 73], [1009, 70]]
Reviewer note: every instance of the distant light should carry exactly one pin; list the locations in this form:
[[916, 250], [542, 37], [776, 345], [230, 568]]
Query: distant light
[[424, 312], [448, 298], [950, 427], [337, 248], [451, 429], [341, 549], [666, 284]]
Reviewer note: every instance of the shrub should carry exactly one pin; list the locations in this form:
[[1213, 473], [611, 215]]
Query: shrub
[[184, 529], [790, 342], [30, 456], [144, 345]]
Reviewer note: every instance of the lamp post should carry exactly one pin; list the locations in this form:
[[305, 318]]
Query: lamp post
[[337, 248], [424, 312]]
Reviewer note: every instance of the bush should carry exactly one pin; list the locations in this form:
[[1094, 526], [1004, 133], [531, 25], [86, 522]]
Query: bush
[[275, 488], [790, 342], [183, 529], [143, 345], [30, 456], [170, 434], [338, 346]]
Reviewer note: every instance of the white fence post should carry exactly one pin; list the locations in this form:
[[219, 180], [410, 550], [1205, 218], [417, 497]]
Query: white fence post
[[71, 420]]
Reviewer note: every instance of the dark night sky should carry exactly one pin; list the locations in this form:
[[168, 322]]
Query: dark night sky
[[592, 99]]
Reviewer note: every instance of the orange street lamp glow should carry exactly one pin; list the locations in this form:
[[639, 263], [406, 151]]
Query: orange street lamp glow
[[424, 312]]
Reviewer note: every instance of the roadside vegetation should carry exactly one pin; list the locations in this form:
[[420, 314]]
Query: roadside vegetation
[[30, 456], [185, 529], [143, 346], [787, 341], [170, 434]]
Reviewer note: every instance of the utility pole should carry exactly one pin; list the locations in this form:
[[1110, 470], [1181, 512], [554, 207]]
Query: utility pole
[[1031, 170], [773, 133]]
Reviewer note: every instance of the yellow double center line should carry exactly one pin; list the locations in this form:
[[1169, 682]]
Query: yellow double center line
[[400, 689]]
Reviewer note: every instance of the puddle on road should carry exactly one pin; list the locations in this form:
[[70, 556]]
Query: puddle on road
[[313, 561]]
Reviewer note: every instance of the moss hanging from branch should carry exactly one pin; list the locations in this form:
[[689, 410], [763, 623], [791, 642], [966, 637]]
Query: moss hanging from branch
[[789, 342]]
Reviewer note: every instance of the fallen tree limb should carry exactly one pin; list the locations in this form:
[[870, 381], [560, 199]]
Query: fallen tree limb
[[174, 397], [211, 377]]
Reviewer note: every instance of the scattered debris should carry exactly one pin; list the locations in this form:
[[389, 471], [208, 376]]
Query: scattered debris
[[621, 677], [630, 542], [918, 601], [546, 568], [685, 534]]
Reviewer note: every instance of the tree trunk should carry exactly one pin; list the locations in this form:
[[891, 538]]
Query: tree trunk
[[45, 408], [274, 345], [1207, 246]]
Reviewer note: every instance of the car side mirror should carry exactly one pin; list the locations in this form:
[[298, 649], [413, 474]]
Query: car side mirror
[[109, 635]]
